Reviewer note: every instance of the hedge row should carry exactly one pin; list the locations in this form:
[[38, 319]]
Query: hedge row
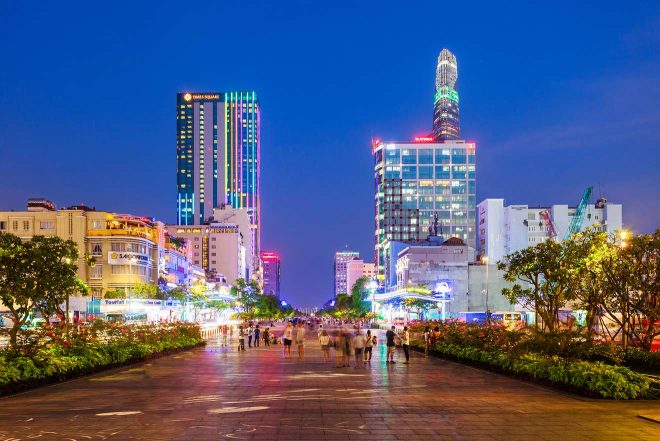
[[587, 377], [56, 362]]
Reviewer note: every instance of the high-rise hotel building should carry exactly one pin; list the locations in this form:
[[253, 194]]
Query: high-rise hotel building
[[426, 187], [218, 141]]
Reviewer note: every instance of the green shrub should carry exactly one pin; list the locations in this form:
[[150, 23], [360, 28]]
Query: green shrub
[[643, 360]]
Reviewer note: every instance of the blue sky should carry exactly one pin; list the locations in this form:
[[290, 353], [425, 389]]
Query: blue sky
[[556, 98]]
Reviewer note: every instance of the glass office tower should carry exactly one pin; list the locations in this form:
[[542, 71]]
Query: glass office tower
[[446, 122], [218, 156], [416, 181]]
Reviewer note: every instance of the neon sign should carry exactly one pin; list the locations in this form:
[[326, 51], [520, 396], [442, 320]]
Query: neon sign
[[423, 139]]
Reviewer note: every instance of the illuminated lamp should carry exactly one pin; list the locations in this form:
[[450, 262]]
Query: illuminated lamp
[[187, 97]]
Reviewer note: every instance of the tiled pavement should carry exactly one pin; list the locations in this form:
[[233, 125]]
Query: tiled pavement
[[217, 394]]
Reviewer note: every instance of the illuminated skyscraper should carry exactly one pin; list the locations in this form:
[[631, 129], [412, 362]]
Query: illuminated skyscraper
[[271, 267], [446, 121], [218, 156]]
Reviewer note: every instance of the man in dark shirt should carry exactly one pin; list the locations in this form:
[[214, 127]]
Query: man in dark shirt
[[390, 336], [257, 333]]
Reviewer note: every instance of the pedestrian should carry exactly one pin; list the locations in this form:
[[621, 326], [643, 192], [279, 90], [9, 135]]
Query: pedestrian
[[257, 334], [266, 337], [300, 340], [358, 347], [324, 339], [405, 339], [348, 340], [224, 335], [241, 339], [369, 345], [287, 336], [390, 335], [340, 347], [427, 340], [250, 334]]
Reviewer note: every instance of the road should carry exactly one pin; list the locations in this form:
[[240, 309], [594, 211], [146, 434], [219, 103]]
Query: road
[[215, 393]]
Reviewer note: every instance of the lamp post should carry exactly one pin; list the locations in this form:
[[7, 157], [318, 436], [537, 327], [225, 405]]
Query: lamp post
[[372, 286], [485, 260]]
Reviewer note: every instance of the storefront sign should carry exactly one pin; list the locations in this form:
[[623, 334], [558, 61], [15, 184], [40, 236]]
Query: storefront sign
[[128, 258], [224, 228]]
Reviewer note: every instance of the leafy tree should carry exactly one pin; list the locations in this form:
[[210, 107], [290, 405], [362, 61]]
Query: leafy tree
[[247, 293], [54, 269], [116, 293], [644, 251], [178, 293], [544, 271], [421, 306], [583, 254], [359, 295], [147, 291], [16, 283]]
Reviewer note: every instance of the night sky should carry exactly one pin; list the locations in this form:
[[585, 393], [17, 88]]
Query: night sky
[[556, 99]]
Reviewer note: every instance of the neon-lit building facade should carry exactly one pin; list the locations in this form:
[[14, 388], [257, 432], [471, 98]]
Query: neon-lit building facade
[[272, 271], [446, 122], [218, 156], [418, 182]]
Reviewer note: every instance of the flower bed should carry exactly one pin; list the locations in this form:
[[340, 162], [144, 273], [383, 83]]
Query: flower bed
[[515, 353], [48, 355]]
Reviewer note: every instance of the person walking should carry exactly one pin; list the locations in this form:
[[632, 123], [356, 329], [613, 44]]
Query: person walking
[[266, 337], [369, 345], [287, 336], [225, 331], [300, 340], [241, 339], [405, 340], [257, 334], [358, 347], [324, 340], [427, 340], [390, 335], [340, 347], [250, 334]]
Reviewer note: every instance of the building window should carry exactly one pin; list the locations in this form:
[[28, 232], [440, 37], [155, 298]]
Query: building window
[[96, 272], [97, 249], [47, 225], [213, 254], [14, 225], [213, 262], [97, 225], [26, 225], [3, 225]]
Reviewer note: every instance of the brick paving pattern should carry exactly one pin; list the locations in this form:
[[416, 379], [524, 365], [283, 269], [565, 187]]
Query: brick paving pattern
[[219, 394]]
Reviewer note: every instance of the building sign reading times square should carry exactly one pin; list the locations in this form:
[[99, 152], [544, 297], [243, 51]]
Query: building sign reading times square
[[201, 96]]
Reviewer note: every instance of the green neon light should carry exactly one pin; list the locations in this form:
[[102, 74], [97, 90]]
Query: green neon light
[[446, 92]]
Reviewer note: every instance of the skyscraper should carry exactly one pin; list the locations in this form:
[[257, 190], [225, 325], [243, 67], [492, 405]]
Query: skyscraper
[[446, 122], [419, 184], [271, 266], [341, 259], [218, 156]]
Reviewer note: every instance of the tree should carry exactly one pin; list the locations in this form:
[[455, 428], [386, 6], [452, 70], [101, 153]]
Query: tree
[[644, 250], [147, 291], [359, 296], [16, 283], [544, 271], [586, 279], [420, 305], [116, 293], [247, 293]]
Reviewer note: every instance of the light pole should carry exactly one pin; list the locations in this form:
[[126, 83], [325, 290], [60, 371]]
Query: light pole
[[372, 286], [485, 260]]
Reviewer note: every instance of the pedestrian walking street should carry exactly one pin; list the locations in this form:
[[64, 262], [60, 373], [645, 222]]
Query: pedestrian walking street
[[218, 393]]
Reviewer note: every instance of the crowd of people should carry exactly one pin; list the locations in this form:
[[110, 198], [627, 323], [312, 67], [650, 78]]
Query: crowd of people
[[348, 341]]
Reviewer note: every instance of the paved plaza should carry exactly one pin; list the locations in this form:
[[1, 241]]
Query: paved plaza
[[214, 394]]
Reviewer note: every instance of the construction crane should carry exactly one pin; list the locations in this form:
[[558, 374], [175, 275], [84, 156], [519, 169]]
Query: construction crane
[[580, 212], [547, 220]]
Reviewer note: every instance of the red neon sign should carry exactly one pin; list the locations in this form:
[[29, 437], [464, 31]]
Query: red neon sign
[[423, 139]]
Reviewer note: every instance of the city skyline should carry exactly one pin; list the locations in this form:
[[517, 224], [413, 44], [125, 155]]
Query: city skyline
[[543, 129]]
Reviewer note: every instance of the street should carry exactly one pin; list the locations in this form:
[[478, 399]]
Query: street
[[217, 393]]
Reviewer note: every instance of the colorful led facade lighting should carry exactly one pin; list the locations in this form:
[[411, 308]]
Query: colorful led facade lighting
[[218, 156], [446, 122]]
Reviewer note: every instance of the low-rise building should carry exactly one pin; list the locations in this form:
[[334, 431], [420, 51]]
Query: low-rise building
[[502, 230], [125, 249], [222, 246]]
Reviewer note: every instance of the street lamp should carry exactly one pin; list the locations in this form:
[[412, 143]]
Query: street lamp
[[484, 259], [372, 286]]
